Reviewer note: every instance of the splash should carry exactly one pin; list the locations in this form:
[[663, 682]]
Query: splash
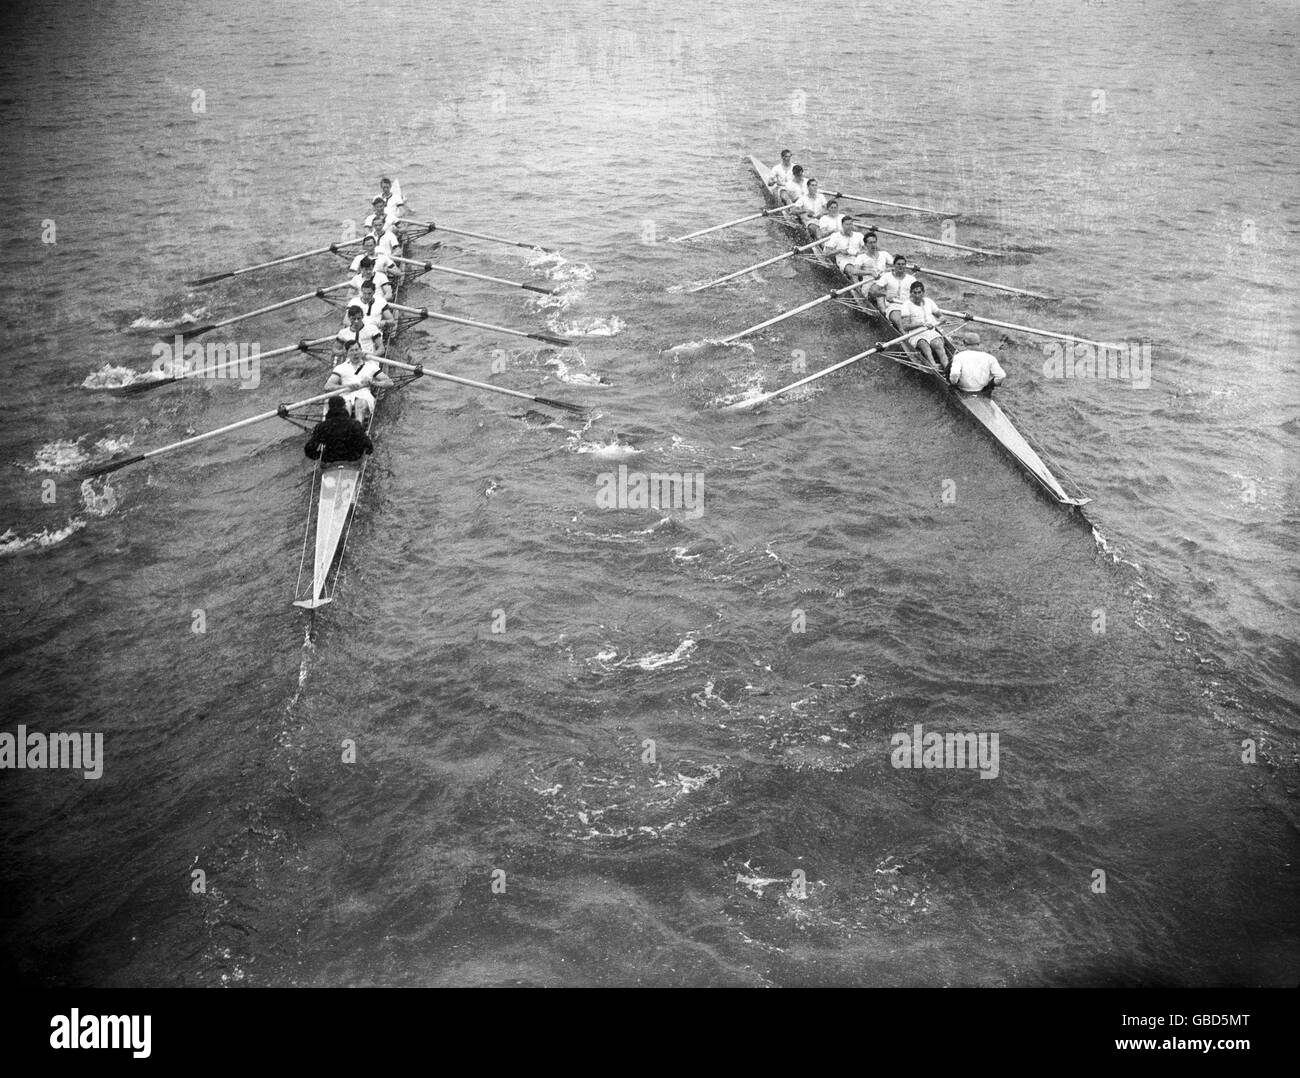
[[595, 326], [12, 543], [111, 377], [690, 349], [144, 324]]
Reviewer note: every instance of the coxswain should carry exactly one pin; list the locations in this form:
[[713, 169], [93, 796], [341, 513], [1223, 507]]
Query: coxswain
[[780, 174], [366, 272], [811, 204], [844, 244], [871, 262], [375, 310], [918, 311], [973, 371], [338, 437], [891, 290], [357, 373], [358, 336], [829, 221], [794, 188]]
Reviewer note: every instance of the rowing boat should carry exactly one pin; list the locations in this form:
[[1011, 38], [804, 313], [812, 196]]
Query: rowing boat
[[983, 409], [338, 485]]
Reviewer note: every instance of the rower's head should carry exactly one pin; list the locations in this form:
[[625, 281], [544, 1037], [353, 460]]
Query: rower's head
[[355, 314], [846, 223], [971, 337], [786, 157], [900, 265], [368, 289], [385, 184], [336, 407], [812, 186], [869, 238], [918, 291], [797, 172], [367, 265], [832, 205], [377, 204]]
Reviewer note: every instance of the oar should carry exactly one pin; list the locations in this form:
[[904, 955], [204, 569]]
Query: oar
[[937, 243], [759, 265], [896, 205], [744, 406], [739, 220], [791, 313], [424, 312], [261, 417], [479, 236], [197, 331], [477, 276], [145, 385], [420, 370], [333, 248], [976, 280], [1030, 329]]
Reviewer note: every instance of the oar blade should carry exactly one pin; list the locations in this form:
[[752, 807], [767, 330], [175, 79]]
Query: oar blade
[[538, 288], [145, 385], [559, 342], [186, 334], [580, 409], [201, 281], [111, 466]]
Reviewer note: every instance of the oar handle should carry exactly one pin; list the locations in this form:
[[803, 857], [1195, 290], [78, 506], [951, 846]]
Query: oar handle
[[435, 267], [424, 312], [419, 370], [431, 226], [967, 317]]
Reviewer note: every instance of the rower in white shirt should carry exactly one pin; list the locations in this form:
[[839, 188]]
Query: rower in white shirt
[[843, 244], [811, 205], [973, 371], [358, 336], [380, 215], [891, 290], [383, 263], [366, 272], [375, 310], [391, 192], [920, 310], [871, 262], [829, 221], [387, 241], [779, 175], [794, 188], [358, 372]]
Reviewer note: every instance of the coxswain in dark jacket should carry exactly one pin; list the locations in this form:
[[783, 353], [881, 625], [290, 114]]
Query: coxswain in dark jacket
[[338, 436]]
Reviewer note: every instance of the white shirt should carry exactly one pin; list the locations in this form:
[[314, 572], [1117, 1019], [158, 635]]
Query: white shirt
[[388, 244], [367, 338], [371, 313], [830, 222], [971, 369], [813, 205], [925, 313], [780, 175], [352, 377], [896, 288], [385, 217], [796, 188], [872, 265], [381, 282], [383, 263], [842, 245], [395, 197]]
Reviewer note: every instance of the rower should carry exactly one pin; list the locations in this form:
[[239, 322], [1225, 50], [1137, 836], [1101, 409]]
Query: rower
[[870, 262], [391, 193], [387, 241], [338, 437], [367, 272], [358, 336], [891, 290], [794, 188], [829, 221], [383, 263], [380, 215], [844, 244], [780, 174], [357, 373], [811, 205], [920, 310], [375, 310], [973, 371]]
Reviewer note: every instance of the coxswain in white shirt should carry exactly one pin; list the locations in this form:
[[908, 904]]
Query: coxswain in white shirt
[[811, 205], [871, 262], [366, 272], [891, 290], [357, 373], [844, 244], [829, 221], [779, 175], [920, 310], [794, 188], [973, 371], [358, 336], [375, 310], [383, 263]]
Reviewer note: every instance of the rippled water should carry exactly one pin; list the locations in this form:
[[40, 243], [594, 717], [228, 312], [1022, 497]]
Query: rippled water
[[677, 787]]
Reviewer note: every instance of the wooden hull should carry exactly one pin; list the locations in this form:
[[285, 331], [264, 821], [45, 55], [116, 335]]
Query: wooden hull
[[983, 409]]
